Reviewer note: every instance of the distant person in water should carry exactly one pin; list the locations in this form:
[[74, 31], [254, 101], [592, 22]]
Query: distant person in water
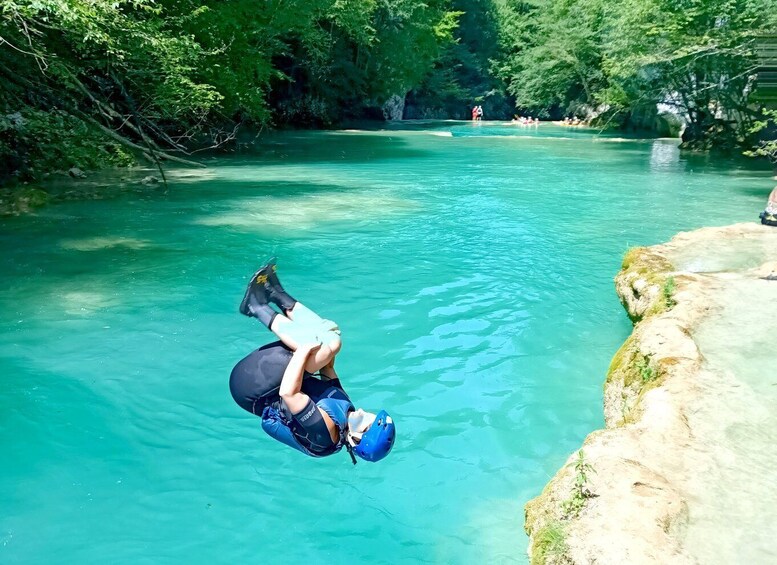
[[480, 113], [474, 113], [769, 215], [276, 382]]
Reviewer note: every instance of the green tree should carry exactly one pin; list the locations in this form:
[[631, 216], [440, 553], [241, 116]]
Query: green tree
[[104, 71], [161, 78], [463, 75], [697, 55], [554, 60]]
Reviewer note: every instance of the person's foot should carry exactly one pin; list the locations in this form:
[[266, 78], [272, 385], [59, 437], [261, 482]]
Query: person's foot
[[257, 296], [277, 294], [272, 277]]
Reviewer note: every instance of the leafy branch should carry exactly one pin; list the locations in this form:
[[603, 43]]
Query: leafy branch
[[580, 491]]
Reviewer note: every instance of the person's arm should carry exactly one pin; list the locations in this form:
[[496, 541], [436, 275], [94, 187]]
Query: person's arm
[[291, 384]]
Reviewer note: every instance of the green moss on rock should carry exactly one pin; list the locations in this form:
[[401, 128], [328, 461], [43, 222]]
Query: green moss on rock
[[631, 366], [644, 284], [621, 358], [21, 200], [635, 373], [645, 260]]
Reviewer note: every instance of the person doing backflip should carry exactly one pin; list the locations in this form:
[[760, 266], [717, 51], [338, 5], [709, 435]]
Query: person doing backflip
[[276, 382]]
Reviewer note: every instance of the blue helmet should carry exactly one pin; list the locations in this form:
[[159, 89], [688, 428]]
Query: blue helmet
[[377, 442]]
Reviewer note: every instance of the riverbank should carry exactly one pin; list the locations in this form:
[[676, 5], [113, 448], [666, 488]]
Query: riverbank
[[684, 471], [62, 187]]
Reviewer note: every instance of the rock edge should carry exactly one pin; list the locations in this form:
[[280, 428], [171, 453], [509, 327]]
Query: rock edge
[[638, 511]]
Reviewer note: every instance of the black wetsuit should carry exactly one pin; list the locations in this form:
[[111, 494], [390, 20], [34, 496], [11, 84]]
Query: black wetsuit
[[256, 380]]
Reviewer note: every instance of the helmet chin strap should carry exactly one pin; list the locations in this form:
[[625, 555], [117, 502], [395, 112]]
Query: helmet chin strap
[[355, 421], [349, 448]]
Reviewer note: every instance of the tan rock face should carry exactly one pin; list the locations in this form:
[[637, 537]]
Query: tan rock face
[[690, 419]]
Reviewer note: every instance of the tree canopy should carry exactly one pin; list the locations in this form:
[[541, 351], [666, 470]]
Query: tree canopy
[[613, 58], [162, 77]]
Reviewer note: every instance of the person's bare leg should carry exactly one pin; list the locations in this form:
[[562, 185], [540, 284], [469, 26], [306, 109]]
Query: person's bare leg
[[326, 329], [302, 313], [283, 327], [323, 356]]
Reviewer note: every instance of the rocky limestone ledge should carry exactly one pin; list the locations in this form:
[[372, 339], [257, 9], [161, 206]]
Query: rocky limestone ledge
[[665, 478]]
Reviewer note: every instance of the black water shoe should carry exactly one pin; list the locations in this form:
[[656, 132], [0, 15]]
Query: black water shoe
[[256, 302]]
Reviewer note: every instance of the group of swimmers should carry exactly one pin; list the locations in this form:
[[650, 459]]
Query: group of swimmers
[[529, 121], [525, 121], [477, 115], [573, 121]]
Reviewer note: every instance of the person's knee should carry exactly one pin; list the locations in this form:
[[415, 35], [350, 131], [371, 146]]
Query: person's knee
[[335, 345]]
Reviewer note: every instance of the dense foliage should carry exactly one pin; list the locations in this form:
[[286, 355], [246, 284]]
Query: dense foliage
[[95, 82], [618, 59], [163, 77], [462, 76]]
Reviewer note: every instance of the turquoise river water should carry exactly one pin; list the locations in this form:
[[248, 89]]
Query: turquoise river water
[[470, 269]]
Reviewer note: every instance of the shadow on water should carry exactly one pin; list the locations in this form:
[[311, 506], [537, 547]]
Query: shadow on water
[[270, 149], [298, 147], [90, 260], [220, 191], [728, 164], [89, 233]]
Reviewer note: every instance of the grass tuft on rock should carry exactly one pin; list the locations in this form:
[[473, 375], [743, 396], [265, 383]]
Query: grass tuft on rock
[[668, 292], [548, 543]]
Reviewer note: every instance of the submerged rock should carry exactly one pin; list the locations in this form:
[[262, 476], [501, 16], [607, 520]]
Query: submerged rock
[[150, 179], [685, 470], [76, 173], [105, 242], [22, 200]]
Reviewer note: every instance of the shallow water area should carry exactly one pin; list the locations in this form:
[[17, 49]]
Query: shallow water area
[[729, 255], [470, 269]]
